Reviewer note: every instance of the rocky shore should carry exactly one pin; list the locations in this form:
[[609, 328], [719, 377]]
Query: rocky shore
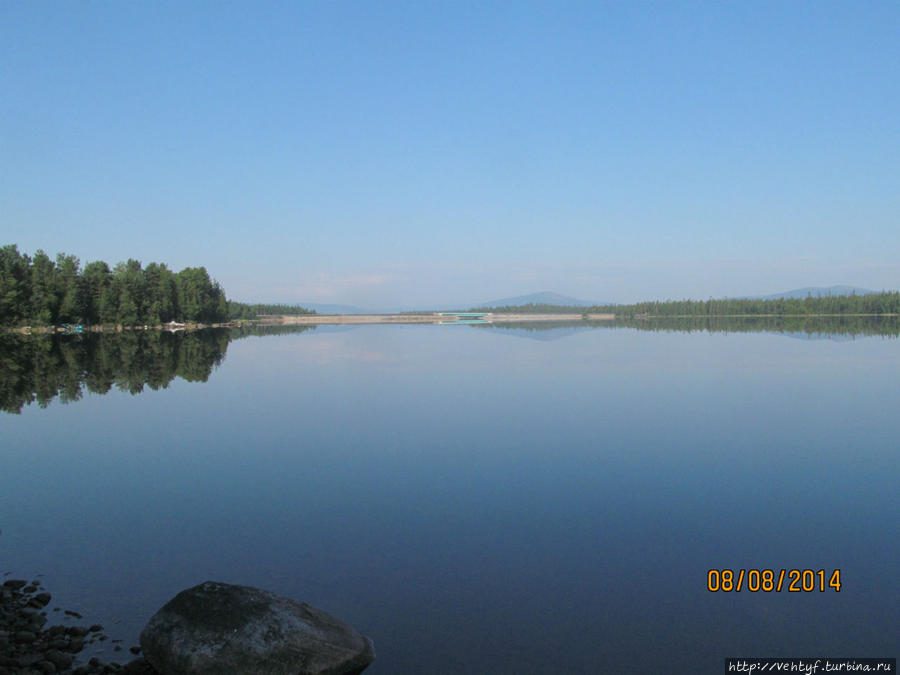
[[210, 628], [29, 646]]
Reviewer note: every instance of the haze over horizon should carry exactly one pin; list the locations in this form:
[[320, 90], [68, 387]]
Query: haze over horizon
[[427, 154]]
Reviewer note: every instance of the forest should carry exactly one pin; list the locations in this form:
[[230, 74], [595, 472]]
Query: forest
[[872, 304], [38, 290], [241, 310]]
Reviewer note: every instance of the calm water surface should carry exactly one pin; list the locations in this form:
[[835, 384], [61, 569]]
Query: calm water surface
[[481, 502]]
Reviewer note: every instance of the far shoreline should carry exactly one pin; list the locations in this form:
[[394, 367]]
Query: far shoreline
[[419, 318], [422, 318]]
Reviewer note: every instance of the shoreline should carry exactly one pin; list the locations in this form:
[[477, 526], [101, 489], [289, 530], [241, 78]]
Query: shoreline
[[119, 328], [435, 318], [421, 318], [29, 645], [500, 318]]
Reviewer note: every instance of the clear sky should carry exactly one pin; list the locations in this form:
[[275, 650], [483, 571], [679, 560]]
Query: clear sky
[[424, 153]]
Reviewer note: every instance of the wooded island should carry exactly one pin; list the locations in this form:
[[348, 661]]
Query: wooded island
[[36, 290]]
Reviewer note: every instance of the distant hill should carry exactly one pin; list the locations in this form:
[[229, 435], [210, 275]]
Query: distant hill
[[818, 292], [542, 298]]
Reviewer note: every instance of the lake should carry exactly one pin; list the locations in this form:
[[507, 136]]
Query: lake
[[476, 499]]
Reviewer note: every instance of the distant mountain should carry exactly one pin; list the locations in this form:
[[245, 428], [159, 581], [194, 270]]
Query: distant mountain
[[818, 292], [542, 298]]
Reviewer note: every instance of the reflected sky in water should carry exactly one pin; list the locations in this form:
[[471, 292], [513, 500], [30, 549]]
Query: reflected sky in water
[[477, 503]]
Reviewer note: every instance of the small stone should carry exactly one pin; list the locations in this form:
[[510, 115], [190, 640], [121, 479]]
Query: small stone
[[94, 662], [42, 599], [14, 584], [135, 650], [30, 589], [25, 637], [29, 659], [76, 644], [96, 628], [69, 612], [59, 659], [45, 667], [77, 631]]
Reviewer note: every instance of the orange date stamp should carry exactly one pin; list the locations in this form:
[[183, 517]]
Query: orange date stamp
[[770, 580]]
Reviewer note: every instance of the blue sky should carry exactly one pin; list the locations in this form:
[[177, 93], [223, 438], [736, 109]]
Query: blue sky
[[426, 153]]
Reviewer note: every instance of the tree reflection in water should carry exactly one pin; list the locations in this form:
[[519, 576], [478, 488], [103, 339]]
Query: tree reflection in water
[[41, 368]]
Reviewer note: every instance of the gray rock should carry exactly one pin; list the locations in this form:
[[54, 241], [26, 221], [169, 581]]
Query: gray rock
[[218, 628], [58, 659], [25, 636], [29, 659]]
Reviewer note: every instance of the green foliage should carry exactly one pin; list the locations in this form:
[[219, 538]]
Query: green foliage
[[96, 280], [875, 303], [871, 304], [69, 289], [15, 285], [240, 310], [37, 291], [44, 300]]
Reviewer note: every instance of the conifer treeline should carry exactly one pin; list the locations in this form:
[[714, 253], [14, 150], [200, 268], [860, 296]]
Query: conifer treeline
[[40, 291], [872, 303], [242, 310]]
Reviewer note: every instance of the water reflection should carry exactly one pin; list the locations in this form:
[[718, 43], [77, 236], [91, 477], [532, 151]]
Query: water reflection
[[42, 368], [809, 327]]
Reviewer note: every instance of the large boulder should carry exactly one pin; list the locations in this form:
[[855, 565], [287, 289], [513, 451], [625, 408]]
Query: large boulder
[[217, 628]]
